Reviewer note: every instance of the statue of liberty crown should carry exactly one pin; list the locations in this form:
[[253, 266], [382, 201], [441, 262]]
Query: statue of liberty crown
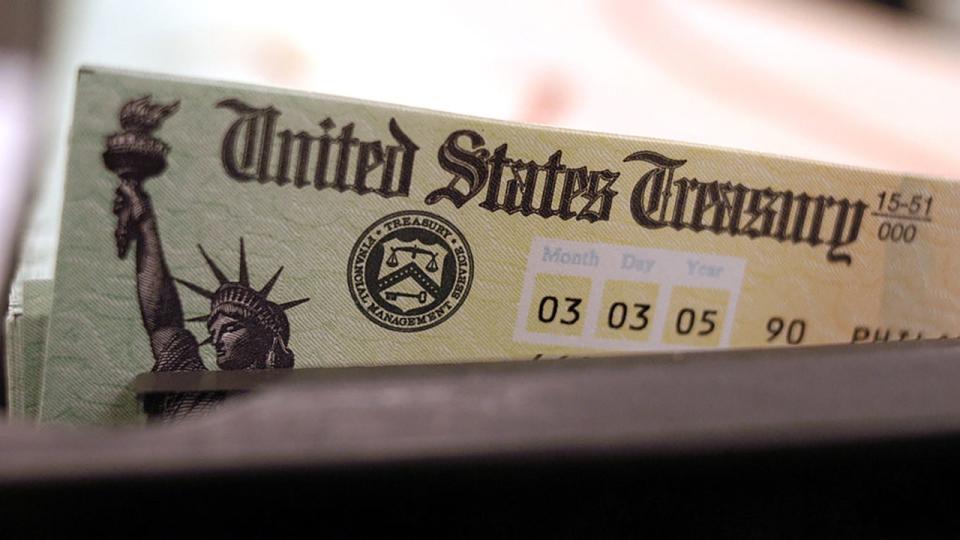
[[238, 297]]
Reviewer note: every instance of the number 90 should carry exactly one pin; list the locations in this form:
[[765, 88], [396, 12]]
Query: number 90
[[794, 334]]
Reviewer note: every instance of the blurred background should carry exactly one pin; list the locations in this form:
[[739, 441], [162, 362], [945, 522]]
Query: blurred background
[[866, 83]]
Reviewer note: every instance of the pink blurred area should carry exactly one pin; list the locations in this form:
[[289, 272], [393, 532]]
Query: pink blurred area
[[838, 82], [846, 82]]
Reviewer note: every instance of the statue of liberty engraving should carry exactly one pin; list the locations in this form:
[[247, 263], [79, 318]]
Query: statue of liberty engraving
[[247, 330]]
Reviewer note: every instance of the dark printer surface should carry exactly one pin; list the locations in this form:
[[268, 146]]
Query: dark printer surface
[[849, 441]]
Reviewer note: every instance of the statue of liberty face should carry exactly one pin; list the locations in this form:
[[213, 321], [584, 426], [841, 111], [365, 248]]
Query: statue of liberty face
[[240, 344], [240, 341]]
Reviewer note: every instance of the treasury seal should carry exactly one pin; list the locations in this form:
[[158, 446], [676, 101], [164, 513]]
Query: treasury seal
[[410, 271]]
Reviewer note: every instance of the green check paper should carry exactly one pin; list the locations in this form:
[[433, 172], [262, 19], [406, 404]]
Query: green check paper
[[25, 333], [211, 226]]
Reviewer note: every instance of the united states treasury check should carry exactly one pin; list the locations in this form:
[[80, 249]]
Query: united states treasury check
[[221, 226]]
